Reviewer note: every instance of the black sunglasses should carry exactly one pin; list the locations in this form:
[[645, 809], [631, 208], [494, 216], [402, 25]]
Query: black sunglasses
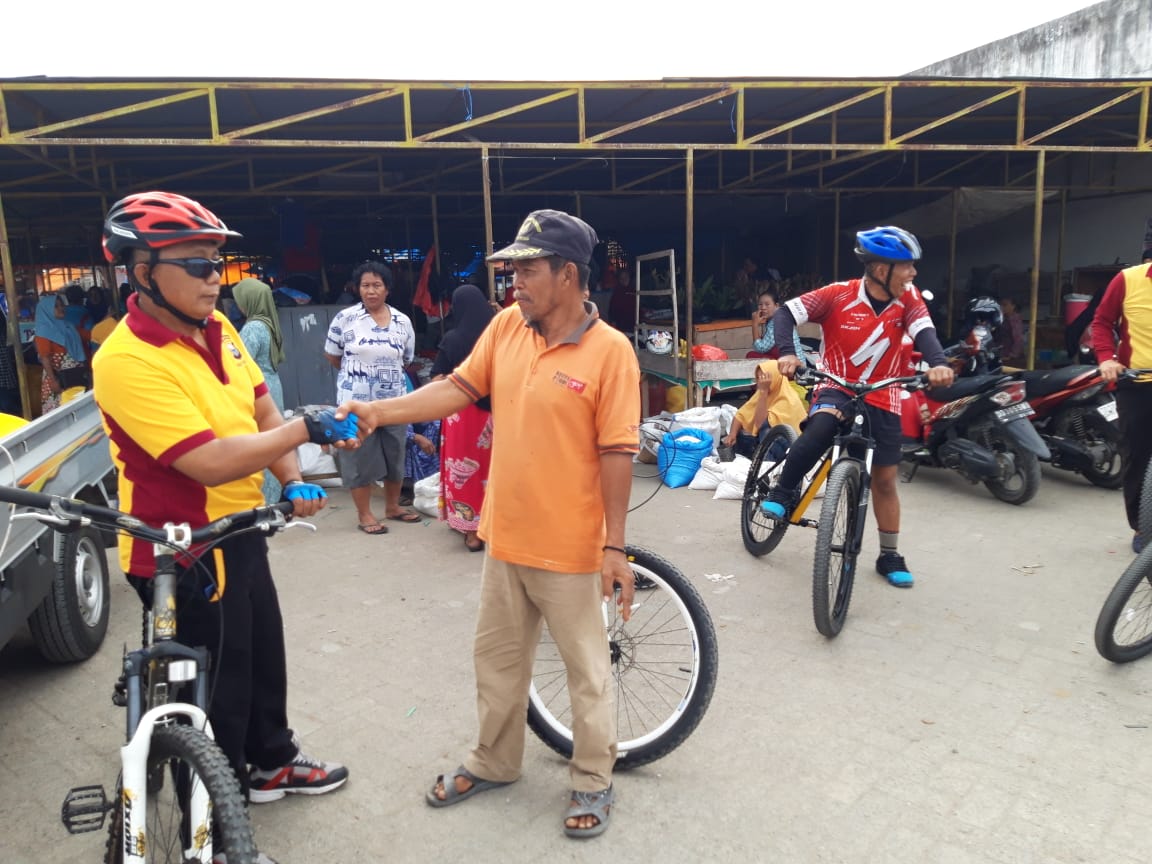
[[197, 268]]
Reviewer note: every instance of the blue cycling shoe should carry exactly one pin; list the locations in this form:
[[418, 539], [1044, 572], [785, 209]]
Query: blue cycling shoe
[[891, 566], [779, 503]]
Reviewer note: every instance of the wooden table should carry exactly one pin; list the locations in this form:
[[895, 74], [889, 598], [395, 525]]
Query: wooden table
[[710, 376]]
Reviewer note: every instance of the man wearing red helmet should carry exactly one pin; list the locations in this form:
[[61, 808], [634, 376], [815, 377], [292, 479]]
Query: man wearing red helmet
[[192, 426], [865, 321]]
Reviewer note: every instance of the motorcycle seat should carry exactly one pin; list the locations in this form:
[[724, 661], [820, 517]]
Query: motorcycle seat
[[1043, 382], [962, 387]]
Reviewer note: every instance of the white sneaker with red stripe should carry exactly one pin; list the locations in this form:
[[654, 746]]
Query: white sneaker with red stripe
[[302, 776]]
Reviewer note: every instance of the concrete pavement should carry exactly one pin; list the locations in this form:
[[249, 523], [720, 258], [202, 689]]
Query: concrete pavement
[[967, 720]]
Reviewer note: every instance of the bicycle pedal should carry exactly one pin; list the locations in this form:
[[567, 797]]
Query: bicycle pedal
[[809, 523], [120, 693], [84, 809]]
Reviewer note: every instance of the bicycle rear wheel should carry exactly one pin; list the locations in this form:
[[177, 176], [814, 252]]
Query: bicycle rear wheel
[[664, 662], [179, 758], [1124, 626], [760, 532], [834, 563]]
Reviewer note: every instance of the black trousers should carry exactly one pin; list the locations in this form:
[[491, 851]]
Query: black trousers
[[1134, 406], [249, 679]]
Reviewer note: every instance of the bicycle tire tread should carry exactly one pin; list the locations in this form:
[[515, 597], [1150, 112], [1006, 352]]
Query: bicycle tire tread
[[844, 477], [203, 755]]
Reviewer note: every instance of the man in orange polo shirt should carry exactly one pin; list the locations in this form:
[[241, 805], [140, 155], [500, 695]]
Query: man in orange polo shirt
[[565, 393]]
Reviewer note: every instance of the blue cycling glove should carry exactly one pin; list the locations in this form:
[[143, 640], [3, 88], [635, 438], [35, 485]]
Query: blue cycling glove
[[298, 490], [324, 428]]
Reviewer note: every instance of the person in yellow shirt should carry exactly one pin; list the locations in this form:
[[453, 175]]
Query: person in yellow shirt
[[774, 402], [191, 426]]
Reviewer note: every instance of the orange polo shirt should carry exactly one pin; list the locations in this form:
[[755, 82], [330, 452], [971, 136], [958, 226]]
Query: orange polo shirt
[[555, 411], [160, 396]]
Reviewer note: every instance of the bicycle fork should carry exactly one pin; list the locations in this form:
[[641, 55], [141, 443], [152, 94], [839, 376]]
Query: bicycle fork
[[86, 807]]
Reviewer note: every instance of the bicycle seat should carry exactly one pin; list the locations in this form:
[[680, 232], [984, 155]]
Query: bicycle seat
[[1042, 382], [962, 387]]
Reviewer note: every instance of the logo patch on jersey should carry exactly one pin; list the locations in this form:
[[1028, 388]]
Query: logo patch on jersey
[[871, 351], [231, 347], [573, 384]]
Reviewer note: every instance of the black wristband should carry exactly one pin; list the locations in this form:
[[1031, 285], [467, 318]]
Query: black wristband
[[615, 549], [315, 427]]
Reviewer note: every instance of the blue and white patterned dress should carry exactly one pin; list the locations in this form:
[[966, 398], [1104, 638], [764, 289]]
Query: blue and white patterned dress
[[372, 358]]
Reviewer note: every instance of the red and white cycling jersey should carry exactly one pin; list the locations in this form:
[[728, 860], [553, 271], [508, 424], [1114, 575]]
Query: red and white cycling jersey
[[858, 344]]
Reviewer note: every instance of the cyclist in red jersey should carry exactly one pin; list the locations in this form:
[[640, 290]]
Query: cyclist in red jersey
[[864, 321]]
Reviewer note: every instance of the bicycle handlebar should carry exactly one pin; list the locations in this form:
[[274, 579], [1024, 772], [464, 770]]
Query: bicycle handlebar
[[55, 509], [809, 375]]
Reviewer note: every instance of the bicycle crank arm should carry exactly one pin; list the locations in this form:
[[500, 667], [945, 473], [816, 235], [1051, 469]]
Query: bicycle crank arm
[[805, 522], [84, 809]]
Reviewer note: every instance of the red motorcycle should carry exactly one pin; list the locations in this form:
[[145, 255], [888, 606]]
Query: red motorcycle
[[978, 426], [1076, 417], [1075, 411]]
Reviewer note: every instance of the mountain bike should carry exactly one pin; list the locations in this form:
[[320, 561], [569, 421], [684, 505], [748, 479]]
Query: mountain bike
[[844, 472], [664, 663], [177, 797]]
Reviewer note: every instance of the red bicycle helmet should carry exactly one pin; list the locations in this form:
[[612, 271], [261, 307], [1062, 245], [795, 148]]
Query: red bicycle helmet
[[153, 220]]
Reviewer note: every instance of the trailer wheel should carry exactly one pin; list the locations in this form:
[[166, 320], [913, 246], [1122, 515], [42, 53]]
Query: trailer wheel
[[71, 622]]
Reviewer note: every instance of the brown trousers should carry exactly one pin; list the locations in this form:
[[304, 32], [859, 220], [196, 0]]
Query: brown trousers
[[514, 601]]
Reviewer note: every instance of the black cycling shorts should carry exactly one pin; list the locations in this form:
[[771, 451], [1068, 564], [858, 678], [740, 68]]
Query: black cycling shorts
[[883, 426]]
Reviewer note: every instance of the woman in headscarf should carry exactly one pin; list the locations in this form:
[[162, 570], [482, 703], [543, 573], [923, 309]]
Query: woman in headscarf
[[263, 339], [774, 402], [62, 350], [466, 451], [261, 333]]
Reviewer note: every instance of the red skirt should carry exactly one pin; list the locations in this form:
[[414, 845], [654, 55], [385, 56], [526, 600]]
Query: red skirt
[[465, 456]]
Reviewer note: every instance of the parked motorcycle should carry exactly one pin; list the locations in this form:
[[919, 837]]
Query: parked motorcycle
[[1076, 417], [978, 426], [1075, 411]]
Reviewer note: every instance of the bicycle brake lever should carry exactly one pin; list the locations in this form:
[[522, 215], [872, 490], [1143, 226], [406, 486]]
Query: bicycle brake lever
[[50, 519], [296, 523]]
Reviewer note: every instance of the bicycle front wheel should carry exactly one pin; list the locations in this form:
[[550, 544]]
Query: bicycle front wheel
[[834, 564], [1124, 628], [664, 662], [1144, 508], [181, 758], [760, 532]]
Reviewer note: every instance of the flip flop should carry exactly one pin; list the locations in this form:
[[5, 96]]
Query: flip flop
[[374, 529], [451, 795], [598, 804], [405, 516]]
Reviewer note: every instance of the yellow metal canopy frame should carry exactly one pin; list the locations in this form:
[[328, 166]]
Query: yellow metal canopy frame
[[69, 147]]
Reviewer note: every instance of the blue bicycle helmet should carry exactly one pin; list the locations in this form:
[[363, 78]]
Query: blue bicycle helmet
[[889, 244]]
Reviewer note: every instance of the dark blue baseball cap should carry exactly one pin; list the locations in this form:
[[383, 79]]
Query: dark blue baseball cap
[[551, 232]]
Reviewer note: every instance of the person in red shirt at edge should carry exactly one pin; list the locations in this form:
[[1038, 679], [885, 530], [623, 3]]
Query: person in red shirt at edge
[[1122, 339], [864, 322]]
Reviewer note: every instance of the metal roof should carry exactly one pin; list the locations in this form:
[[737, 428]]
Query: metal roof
[[617, 151]]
